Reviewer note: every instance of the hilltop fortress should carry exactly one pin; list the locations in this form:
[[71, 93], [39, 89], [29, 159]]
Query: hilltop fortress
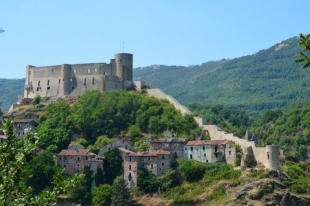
[[75, 79]]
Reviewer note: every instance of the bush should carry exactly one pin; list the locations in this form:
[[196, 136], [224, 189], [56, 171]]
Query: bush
[[192, 170], [36, 99], [147, 181]]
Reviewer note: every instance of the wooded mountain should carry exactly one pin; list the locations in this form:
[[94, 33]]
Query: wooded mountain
[[9, 90], [267, 79]]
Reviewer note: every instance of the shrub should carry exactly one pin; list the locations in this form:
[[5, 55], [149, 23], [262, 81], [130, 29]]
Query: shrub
[[192, 170]]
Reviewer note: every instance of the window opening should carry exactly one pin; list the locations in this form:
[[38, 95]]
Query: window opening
[[268, 155], [215, 149], [203, 148], [162, 164], [191, 156], [88, 71], [74, 71], [192, 148], [48, 82], [129, 167], [84, 81], [93, 80], [38, 83]]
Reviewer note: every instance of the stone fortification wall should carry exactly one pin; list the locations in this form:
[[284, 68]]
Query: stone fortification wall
[[268, 156], [158, 93]]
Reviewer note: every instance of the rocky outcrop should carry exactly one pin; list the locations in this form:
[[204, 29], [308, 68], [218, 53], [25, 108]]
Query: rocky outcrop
[[269, 192]]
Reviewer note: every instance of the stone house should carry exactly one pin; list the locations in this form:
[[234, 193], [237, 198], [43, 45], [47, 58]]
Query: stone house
[[209, 151], [74, 160], [175, 145], [121, 142], [157, 162], [22, 125]]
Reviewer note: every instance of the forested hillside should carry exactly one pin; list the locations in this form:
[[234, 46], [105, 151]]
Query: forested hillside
[[9, 90], [267, 79]]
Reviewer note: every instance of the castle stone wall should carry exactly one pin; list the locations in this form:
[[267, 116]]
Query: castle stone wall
[[158, 93], [75, 79]]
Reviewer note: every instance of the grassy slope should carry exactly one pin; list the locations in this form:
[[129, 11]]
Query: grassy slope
[[270, 78]]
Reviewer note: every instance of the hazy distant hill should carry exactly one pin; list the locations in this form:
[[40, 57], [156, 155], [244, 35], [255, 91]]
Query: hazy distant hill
[[269, 78], [9, 90]]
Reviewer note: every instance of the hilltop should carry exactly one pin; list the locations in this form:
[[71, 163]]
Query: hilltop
[[267, 79]]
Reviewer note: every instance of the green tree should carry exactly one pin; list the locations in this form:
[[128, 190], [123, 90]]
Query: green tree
[[147, 181], [304, 56], [99, 178], [81, 193], [55, 127], [113, 165], [40, 171], [120, 193], [101, 195], [170, 179], [15, 155], [134, 131], [192, 170], [36, 99]]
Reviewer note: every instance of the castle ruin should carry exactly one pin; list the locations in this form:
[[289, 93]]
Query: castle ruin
[[75, 79]]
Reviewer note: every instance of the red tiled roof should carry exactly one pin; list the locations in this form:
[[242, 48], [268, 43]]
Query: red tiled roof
[[23, 121], [207, 142], [128, 152], [170, 140], [149, 154], [75, 152]]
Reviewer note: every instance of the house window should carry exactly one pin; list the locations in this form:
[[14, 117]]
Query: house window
[[129, 177], [163, 157], [191, 156], [162, 164], [86, 158], [129, 159], [23, 133], [64, 165], [205, 154], [203, 148], [207, 161], [74, 71], [48, 82], [78, 165], [38, 83], [18, 125], [216, 155], [78, 158], [93, 80], [27, 125], [215, 149], [65, 158], [52, 70], [229, 152], [38, 89], [129, 167], [58, 81], [88, 71], [72, 88], [95, 70], [268, 155], [48, 88], [149, 158], [192, 148], [185, 148], [152, 166]]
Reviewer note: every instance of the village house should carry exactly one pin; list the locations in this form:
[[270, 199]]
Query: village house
[[21, 126], [210, 151], [175, 145], [74, 160], [157, 162], [121, 142]]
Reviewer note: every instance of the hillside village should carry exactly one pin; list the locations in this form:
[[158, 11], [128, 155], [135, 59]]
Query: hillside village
[[160, 154]]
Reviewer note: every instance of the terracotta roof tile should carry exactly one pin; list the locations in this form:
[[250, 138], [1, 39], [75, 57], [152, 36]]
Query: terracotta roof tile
[[23, 121], [74, 152], [207, 142], [149, 154]]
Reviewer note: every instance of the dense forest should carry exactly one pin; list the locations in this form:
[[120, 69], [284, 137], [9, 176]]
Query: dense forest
[[267, 79], [9, 90]]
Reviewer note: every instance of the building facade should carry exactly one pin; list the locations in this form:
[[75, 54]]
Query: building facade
[[74, 160], [175, 145], [157, 162], [209, 150], [74, 79], [21, 126]]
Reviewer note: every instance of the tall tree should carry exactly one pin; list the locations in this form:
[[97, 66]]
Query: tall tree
[[113, 165], [15, 155], [120, 193], [101, 196]]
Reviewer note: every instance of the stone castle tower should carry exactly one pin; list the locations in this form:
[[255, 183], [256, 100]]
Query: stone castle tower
[[75, 79]]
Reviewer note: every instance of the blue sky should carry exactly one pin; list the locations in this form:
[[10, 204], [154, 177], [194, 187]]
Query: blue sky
[[174, 32]]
